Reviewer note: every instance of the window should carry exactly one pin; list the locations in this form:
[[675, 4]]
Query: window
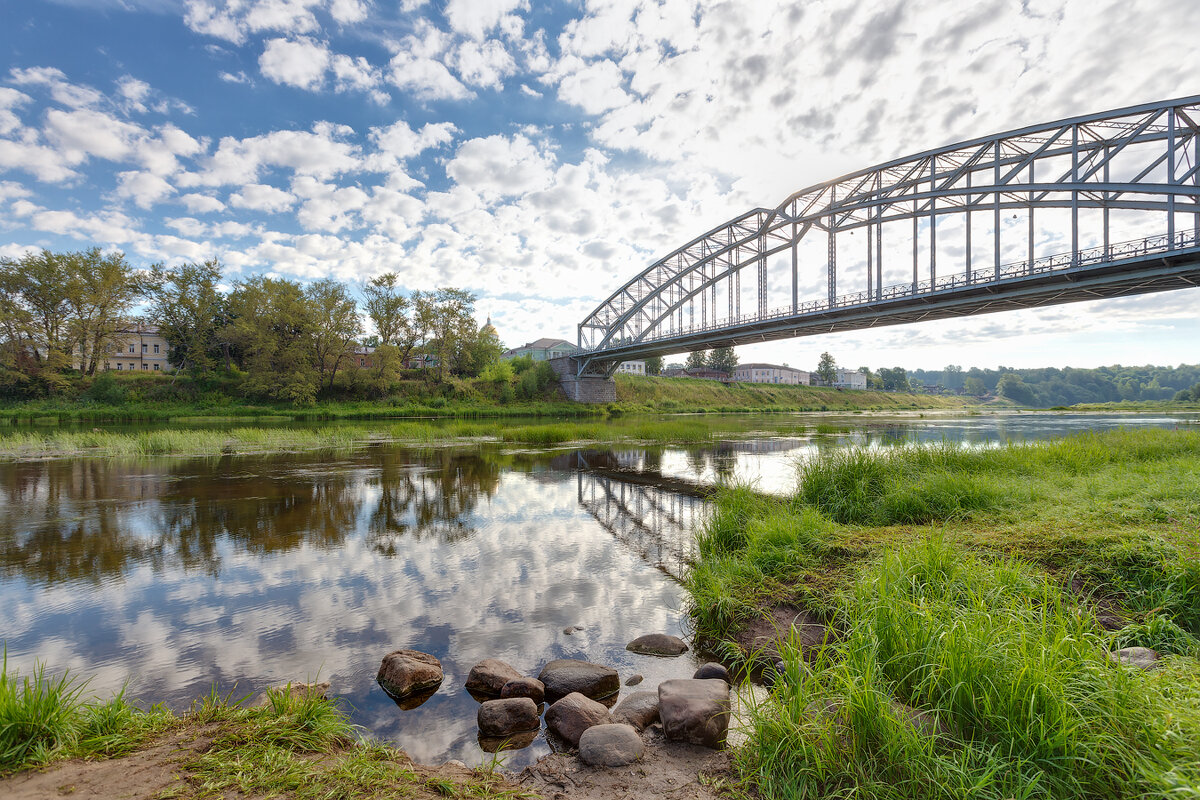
[[155, 348], [131, 366], [145, 348], [131, 348], [362, 362], [118, 365], [145, 366], [156, 366]]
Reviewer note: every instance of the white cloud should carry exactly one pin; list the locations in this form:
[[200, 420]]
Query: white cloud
[[260, 197], [326, 207], [301, 63], [143, 188], [10, 99], [85, 133], [497, 166], [201, 203], [349, 11], [418, 67], [134, 92], [238, 77], [62, 90], [400, 142], [44, 163], [476, 17], [321, 153], [483, 64], [595, 87]]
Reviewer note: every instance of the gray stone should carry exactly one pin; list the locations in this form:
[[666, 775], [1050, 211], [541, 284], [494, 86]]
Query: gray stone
[[611, 745], [634, 680], [1141, 657], [507, 716], [712, 670], [489, 676], [694, 711], [405, 672], [563, 676], [927, 723], [524, 687], [639, 709], [574, 714], [658, 644], [296, 690], [515, 741]]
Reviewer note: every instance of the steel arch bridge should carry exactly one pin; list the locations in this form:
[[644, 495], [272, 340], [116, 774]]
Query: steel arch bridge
[[1097, 206]]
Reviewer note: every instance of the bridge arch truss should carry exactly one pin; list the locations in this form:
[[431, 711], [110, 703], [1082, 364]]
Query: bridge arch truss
[[1094, 206]]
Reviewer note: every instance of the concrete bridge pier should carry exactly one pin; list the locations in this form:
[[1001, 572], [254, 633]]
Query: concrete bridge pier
[[585, 389]]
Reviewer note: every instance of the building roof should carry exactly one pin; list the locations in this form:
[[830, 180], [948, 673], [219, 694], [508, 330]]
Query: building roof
[[544, 344], [769, 366]]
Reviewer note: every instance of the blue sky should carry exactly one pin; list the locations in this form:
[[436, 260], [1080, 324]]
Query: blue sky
[[542, 154]]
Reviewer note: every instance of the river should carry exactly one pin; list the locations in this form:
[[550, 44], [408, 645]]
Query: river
[[175, 575]]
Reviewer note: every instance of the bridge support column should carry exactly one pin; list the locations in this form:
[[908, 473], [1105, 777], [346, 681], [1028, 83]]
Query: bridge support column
[[583, 389]]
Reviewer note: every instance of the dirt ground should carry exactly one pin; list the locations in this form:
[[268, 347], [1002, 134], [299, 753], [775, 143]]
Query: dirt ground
[[668, 771]]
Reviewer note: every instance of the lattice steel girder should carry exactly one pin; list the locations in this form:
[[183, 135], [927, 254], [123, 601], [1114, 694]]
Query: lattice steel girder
[[1115, 279], [933, 183]]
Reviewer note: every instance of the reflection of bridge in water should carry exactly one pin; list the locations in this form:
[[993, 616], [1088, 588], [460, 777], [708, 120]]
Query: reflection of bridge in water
[[653, 515]]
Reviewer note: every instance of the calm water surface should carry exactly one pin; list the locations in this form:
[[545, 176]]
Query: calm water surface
[[179, 574]]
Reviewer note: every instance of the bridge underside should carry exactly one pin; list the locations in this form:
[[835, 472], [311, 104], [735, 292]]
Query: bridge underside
[[1161, 272]]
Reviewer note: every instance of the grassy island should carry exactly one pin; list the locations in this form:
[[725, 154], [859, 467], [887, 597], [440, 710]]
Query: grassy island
[[967, 601]]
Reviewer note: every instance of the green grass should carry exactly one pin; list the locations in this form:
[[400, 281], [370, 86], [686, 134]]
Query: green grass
[[1026, 702], [44, 718], [960, 582]]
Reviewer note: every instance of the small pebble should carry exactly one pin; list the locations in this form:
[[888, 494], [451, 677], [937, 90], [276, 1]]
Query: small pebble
[[634, 680]]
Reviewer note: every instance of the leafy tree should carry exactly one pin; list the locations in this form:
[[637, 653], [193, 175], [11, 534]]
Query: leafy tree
[[447, 314], [654, 365], [974, 386], [270, 330], [827, 369], [1015, 389], [387, 308], [722, 359], [189, 310], [697, 359], [101, 293], [952, 377], [335, 326], [38, 308], [894, 380]]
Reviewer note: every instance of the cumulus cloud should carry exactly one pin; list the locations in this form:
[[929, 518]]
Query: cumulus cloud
[[301, 62], [260, 197], [201, 203], [418, 66], [145, 189], [323, 152], [11, 99], [476, 17]]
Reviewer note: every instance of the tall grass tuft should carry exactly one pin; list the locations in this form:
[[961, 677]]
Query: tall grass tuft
[[964, 678], [39, 716]]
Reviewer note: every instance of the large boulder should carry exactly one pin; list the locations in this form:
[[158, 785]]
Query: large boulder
[[1140, 657], [574, 714], [694, 711], [563, 676], [611, 745], [639, 710], [658, 644], [489, 676], [524, 687], [508, 716], [405, 672]]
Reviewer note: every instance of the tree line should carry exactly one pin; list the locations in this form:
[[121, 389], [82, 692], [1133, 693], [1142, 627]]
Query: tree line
[[1052, 386], [64, 314]]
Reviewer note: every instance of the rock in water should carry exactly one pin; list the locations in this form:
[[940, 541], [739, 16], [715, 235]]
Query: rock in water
[[405, 672], [694, 711], [574, 714], [634, 680], [1141, 657], [639, 709], [658, 644], [489, 676], [524, 687], [563, 676], [712, 670], [610, 745], [508, 716]]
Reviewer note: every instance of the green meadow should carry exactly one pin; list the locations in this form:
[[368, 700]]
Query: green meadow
[[963, 593]]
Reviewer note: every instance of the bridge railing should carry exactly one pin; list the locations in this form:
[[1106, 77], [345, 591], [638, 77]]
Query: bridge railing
[[1059, 262]]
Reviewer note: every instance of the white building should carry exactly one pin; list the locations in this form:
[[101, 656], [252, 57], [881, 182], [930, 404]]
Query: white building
[[850, 379], [770, 373], [631, 368], [139, 348]]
